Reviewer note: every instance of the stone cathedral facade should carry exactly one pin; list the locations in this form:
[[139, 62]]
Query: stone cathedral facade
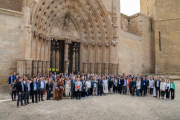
[[42, 36]]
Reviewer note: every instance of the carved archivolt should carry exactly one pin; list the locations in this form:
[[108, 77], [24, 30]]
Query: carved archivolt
[[91, 16]]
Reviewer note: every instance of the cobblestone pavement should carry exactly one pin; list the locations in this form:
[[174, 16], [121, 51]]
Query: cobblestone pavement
[[109, 107]]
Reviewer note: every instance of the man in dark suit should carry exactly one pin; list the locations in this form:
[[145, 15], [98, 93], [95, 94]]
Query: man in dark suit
[[157, 86], [20, 92], [26, 92], [73, 87], [143, 86], [100, 82], [119, 85], [11, 78], [41, 87], [34, 89]]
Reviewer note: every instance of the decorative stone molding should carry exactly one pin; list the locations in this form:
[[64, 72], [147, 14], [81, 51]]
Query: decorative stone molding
[[100, 44], [113, 43], [93, 44], [85, 44], [11, 12], [106, 44]]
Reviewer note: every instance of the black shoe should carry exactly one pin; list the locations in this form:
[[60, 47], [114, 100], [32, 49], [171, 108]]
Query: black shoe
[[42, 100], [28, 103], [32, 102], [25, 104], [36, 102]]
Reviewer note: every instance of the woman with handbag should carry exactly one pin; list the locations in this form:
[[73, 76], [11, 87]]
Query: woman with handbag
[[13, 90]]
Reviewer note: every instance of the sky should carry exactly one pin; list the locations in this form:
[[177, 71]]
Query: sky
[[130, 7]]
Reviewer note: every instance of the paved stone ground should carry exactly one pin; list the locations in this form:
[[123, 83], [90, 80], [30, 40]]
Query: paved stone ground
[[109, 107]]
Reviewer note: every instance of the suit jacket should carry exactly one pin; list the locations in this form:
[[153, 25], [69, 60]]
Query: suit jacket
[[19, 87], [100, 81], [142, 83], [39, 84], [156, 84], [51, 86], [72, 85], [10, 79], [25, 88], [32, 86], [76, 84], [122, 81]]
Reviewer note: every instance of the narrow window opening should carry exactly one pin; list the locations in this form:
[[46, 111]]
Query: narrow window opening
[[159, 41]]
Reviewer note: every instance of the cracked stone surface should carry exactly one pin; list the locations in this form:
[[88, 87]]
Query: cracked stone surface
[[109, 107]]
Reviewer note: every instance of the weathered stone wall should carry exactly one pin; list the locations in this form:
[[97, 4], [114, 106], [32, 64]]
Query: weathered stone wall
[[15, 5], [135, 56], [167, 22], [11, 47]]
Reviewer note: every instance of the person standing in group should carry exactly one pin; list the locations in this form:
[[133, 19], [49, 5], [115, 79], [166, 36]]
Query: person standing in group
[[25, 91], [28, 91], [157, 85], [60, 86], [67, 87], [34, 90], [119, 85], [154, 90], [49, 87], [115, 85], [138, 86], [100, 86], [78, 88], [41, 86], [11, 79], [95, 86], [84, 89], [111, 84], [54, 89], [105, 85], [73, 87], [167, 89], [125, 86], [128, 80], [88, 83], [172, 89], [162, 88], [13, 90], [143, 86], [133, 86], [20, 92], [151, 82]]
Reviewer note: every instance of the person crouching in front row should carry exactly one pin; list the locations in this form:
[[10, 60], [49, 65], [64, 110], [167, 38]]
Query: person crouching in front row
[[78, 88]]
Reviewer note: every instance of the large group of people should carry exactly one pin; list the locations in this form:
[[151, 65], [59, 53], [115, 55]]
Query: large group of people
[[79, 86]]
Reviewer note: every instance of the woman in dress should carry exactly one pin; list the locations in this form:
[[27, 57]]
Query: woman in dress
[[67, 87], [167, 89], [172, 89], [54, 89], [60, 86], [105, 85]]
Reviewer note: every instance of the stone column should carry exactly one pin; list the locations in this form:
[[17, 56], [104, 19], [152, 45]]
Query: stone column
[[34, 64], [44, 67], [66, 61], [99, 65], [21, 67], [39, 66], [85, 68], [106, 68], [47, 67], [114, 68], [29, 67], [92, 67]]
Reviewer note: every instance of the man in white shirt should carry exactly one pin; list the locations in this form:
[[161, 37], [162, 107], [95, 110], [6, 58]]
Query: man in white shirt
[[95, 86], [41, 86]]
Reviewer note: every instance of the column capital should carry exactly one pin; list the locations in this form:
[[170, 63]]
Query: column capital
[[68, 41]]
